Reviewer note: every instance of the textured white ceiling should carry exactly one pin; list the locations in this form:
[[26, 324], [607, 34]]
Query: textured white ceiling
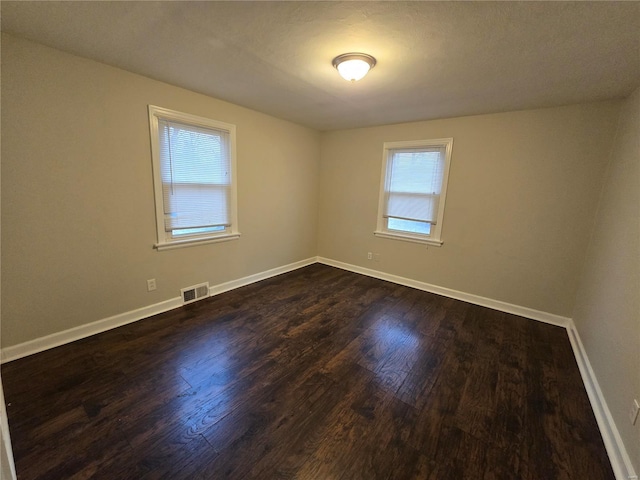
[[435, 59]]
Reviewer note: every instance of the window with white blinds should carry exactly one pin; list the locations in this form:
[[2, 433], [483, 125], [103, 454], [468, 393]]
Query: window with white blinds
[[193, 160], [412, 190]]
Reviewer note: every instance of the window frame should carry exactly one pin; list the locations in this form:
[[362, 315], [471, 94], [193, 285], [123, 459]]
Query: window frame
[[435, 235], [166, 240]]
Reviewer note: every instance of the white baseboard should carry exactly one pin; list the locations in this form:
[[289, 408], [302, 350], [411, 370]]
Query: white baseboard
[[448, 292], [620, 461], [41, 344], [241, 282], [71, 335], [14, 352]]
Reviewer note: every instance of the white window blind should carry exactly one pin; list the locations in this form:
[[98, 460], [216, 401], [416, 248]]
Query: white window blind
[[194, 181], [195, 170], [413, 188], [414, 184]]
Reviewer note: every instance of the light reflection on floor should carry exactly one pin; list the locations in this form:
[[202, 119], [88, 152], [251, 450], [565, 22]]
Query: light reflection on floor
[[393, 351], [208, 365]]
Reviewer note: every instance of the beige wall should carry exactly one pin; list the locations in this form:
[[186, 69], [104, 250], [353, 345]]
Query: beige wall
[[77, 194], [7, 467], [521, 197], [78, 220], [607, 312]]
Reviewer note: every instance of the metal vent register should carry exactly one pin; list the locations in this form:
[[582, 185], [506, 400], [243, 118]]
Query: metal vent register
[[195, 293]]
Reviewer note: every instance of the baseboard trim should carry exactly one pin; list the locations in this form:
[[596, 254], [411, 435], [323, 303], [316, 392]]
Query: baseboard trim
[[41, 344], [241, 282], [458, 295], [71, 335], [31, 347], [620, 461]]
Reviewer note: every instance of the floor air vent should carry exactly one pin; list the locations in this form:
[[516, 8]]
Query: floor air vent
[[197, 292]]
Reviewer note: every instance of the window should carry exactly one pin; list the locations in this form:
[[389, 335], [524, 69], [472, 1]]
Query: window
[[413, 189], [193, 178]]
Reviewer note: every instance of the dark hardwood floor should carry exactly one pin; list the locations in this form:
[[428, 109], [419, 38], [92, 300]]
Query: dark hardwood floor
[[315, 374]]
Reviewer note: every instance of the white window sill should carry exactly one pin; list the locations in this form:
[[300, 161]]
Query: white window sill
[[409, 238], [191, 242]]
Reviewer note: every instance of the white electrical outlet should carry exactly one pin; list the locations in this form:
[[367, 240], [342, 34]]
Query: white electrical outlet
[[633, 413], [151, 284], [369, 255]]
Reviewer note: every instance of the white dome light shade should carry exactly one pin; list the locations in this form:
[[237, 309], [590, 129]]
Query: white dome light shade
[[353, 66], [353, 70]]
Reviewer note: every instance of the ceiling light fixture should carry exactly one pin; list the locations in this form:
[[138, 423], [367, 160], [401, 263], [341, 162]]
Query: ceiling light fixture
[[353, 66]]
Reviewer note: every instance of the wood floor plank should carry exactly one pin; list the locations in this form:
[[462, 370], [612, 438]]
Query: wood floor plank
[[315, 374], [508, 426]]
